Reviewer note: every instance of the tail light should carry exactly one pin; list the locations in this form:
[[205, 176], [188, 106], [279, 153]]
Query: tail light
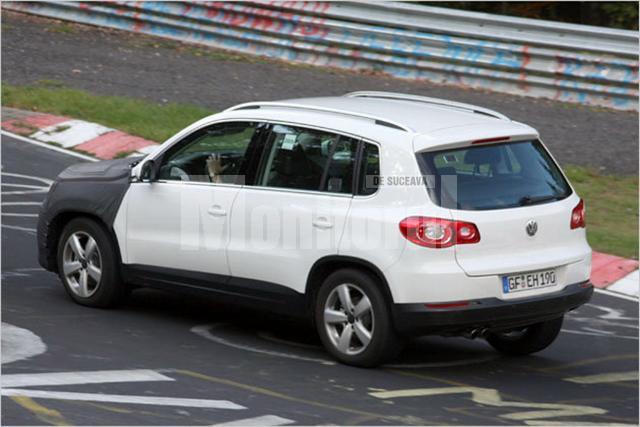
[[577, 216], [438, 232]]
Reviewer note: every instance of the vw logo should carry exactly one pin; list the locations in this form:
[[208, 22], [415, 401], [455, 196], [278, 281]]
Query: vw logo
[[532, 227]]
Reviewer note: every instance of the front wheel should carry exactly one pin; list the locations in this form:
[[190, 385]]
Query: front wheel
[[87, 264], [530, 339], [353, 319]]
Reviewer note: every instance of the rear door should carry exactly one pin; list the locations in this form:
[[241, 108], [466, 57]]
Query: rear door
[[518, 199], [296, 211]]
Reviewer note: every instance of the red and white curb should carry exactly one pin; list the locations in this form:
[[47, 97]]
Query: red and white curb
[[615, 273], [91, 138], [627, 285]]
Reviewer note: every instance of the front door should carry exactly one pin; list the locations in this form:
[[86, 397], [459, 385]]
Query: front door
[[181, 221]]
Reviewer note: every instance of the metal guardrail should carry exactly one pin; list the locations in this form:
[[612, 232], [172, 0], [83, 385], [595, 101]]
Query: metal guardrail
[[566, 62]]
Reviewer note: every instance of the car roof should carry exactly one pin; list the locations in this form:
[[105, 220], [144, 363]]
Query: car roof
[[417, 117], [410, 113]]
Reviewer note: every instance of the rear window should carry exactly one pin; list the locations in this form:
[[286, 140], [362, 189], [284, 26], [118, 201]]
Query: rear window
[[493, 176]]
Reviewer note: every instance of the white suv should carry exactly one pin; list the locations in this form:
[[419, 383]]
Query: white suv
[[377, 215]]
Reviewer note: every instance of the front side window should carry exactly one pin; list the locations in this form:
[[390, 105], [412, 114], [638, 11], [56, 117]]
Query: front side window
[[220, 153], [494, 176], [306, 159]]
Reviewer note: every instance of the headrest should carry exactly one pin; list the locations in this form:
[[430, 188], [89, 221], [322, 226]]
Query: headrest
[[481, 156], [447, 170], [291, 162]]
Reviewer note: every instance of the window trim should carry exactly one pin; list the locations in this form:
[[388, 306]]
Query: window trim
[[357, 178], [160, 155], [332, 151], [340, 134], [270, 123]]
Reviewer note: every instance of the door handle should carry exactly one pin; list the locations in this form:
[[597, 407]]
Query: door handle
[[217, 210], [322, 223]]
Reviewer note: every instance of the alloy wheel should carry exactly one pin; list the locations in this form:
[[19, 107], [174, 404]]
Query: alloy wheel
[[348, 319], [82, 264]]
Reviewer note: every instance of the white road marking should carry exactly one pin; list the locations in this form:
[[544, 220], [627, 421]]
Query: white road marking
[[611, 377], [606, 324], [26, 215], [45, 181], [23, 192], [205, 332], [628, 285], [48, 146], [82, 377], [10, 184], [21, 203], [491, 397], [265, 420], [148, 149], [572, 423], [19, 344], [20, 193], [15, 227], [75, 132], [600, 334], [616, 294], [122, 398], [613, 314], [463, 362], [30, 188]]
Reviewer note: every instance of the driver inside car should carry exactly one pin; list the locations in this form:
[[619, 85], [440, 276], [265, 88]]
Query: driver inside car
[[215, 167]]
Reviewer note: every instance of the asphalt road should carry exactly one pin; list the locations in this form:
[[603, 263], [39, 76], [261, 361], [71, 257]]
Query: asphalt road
[[160, 349], [119, 63]]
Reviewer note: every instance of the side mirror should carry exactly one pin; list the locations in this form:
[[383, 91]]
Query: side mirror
[[148, 171]]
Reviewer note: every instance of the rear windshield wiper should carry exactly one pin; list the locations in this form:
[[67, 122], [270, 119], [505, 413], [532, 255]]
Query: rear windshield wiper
[[528, 200]]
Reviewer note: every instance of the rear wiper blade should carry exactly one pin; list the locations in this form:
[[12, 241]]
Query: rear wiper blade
[[528, 200]]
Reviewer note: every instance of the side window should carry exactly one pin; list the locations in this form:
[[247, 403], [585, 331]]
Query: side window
[[220, 153], [307, 159], [369, 173]]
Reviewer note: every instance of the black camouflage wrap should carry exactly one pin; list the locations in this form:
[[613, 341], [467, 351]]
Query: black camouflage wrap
[[90, 189]]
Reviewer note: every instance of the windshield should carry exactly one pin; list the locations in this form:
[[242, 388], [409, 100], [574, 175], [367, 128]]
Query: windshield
[[493, 176]]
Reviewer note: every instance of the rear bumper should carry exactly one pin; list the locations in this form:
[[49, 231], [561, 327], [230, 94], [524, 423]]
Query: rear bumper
[[489, 313]]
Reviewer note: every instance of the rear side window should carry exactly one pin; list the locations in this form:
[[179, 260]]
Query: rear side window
[[369, 173], [307, 159], [494, 176]]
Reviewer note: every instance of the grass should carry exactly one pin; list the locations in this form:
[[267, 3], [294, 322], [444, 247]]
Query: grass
[[24, 129], [612, 210], [612, 201], [152, 121], [123, 154], [63, 28]]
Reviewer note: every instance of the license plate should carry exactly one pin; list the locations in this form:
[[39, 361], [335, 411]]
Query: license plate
[[528, 281]]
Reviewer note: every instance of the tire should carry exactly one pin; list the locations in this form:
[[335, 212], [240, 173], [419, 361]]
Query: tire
[[105, 289], [531, 339], [384, 342]]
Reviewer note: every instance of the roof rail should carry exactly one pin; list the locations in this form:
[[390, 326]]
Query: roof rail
[[427, 100], [377, 120]]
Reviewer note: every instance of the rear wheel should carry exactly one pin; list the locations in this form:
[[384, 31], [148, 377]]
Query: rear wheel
[[87, 264], [353, 319], [527, 340]]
